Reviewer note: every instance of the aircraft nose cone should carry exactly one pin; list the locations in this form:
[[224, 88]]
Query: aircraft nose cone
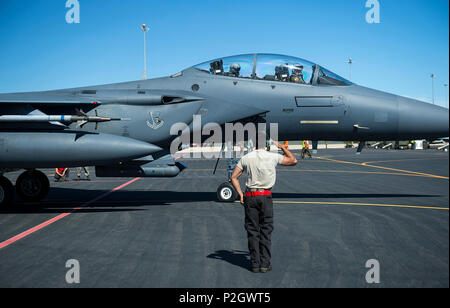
[[420, 120]]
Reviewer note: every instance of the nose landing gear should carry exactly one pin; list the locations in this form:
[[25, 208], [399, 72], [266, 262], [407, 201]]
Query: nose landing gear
[[226, 193]]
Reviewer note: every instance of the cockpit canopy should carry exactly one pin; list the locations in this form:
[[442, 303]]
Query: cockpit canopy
[[272, 67]]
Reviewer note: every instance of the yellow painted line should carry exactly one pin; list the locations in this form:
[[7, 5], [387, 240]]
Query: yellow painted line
[[386, 168], [407, 171], [406, 153], [407, 159], [367, 204], [323, 171], [361, 204], [338, 161], [352, 172], [274, 201]]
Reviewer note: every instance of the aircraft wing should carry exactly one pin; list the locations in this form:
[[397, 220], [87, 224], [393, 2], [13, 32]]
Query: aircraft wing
[[47, 102], [43, 98], [98, 97], [39, 109]]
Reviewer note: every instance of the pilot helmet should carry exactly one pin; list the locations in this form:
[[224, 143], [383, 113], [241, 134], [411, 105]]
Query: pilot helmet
[[297, 70], [235, 68]]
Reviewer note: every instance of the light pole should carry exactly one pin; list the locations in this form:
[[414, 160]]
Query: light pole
[[145, 29], [432, 86], [446, 93], [350, 62]]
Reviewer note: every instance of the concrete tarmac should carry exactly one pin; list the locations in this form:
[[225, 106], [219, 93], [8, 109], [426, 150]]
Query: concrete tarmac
[[333, 213]]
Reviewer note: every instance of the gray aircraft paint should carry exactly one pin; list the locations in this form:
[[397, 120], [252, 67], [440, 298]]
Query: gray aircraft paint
[[152, 106], [68, 149]]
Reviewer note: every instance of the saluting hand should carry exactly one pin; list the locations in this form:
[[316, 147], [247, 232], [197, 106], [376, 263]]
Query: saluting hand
[[277, 144]]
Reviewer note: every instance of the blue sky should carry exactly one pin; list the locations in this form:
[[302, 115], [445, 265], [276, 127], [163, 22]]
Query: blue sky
[[40, 51]]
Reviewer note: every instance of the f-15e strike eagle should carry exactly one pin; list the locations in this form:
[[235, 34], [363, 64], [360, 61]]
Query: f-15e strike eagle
[[124, 129]]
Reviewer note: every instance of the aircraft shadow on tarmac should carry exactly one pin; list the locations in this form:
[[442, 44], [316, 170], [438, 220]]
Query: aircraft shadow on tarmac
[[63, 200], [234, 257]]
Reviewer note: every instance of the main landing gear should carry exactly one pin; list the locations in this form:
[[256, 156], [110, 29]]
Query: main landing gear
[[6, 192], [31, 186]]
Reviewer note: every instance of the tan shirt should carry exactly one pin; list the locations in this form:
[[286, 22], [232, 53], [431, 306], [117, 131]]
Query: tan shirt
[[260, 166]]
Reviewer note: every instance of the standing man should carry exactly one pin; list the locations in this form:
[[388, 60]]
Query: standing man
[[86, 173], [305, 149], [261, 176]]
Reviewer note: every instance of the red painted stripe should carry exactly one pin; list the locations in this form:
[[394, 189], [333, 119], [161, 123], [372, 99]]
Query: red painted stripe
[[61, 216]]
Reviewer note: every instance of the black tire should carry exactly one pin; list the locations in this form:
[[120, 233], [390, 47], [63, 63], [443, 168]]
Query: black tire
[[226, 193], [32, 186], [6, 192]]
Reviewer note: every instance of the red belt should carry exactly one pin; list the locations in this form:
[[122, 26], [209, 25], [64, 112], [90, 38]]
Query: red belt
[[258, 193]]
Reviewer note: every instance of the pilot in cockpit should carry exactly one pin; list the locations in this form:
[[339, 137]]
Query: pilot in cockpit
[[235, 69], [297, 74]]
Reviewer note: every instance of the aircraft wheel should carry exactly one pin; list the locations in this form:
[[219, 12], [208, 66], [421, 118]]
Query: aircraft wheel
[[6, 192], [226, 193], [32, 186]]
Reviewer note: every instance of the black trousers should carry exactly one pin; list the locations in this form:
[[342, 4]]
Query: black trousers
[[306, 151], [259, 226]]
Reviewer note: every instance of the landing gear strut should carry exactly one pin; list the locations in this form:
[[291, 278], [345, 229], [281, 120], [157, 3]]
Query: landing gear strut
[[32, 186], [226, 191], [6, 192]]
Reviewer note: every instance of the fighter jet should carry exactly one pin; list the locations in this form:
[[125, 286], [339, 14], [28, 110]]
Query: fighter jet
[[124, 129]]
